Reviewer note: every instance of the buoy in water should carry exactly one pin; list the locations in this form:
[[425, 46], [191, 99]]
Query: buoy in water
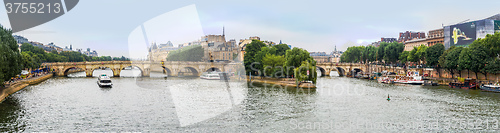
[[388, 97]]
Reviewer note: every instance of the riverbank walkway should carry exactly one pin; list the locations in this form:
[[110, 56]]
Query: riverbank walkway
[[15, 85]]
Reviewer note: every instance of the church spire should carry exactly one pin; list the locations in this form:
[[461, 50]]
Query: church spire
[[223, 30]]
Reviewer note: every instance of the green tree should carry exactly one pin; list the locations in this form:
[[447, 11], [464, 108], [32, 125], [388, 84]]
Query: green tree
[[493, 66], [273, 65], [472, 58], [392, 52], [412, 56], [381, 51], [421, 53], [433, 53], [260, 56], [464, 61], [492, 42], [294, 59], [403, 57], [301, 72], [281, 49], [372, 53], [73, 56], [452, 60], [352, 54], [442, 58], [27, 61], [190, 53], [364, 54], [479, 57], [249, 59], [10, 59]]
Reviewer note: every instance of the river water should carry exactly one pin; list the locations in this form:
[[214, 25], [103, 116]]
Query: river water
[[158, 104]]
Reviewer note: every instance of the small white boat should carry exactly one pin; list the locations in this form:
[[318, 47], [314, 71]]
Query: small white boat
[[104, 81], [210, 76], [491, 87]]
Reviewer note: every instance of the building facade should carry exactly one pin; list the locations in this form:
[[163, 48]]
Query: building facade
[[388, 40], [214, 47], [243, 44], [409, 35], [160, 52], [224, 52], [383, 39], [323, 57], [434, 37], [463, 34], [92, 53], [409, 45], [20, 39]]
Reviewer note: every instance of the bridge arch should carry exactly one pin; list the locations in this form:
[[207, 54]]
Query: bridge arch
[[322, 70], [340, 71], [101, 68], [188, 69], [66, 70], [132, 68], [167, 71], [213, 69]]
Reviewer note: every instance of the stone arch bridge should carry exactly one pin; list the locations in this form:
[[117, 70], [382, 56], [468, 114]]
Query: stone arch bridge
[[171, 68], [340, 68]]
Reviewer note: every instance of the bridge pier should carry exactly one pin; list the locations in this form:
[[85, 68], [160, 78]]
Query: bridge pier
[[146, 72], [327, 72], [116, 72], [60, 72], [89, 72]]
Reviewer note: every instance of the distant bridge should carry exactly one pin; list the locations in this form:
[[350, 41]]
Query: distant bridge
[[340, 68], [171, 68]]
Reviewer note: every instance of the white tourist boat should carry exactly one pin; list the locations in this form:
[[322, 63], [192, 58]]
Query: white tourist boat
[[210, 76], [104, 81], [491, 87], [411, 78]]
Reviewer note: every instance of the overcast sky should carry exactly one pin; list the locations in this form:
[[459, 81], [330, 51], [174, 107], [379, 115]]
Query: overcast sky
[[313, 25]]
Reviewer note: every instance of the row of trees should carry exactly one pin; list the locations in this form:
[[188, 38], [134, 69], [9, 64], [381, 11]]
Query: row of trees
[[482, 56], [279, 61], [189, 53], [388, 52], [10, 59], [393, 53], [33, 57]]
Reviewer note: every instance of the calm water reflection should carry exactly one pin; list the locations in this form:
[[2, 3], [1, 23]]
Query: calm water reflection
[[194, 105]]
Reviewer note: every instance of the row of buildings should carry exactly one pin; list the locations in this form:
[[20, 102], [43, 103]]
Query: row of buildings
[[323, 57], [51, 46], [215, 47], [461, 34]]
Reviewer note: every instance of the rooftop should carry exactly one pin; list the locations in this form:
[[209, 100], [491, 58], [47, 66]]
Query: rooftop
[[494, 17]]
